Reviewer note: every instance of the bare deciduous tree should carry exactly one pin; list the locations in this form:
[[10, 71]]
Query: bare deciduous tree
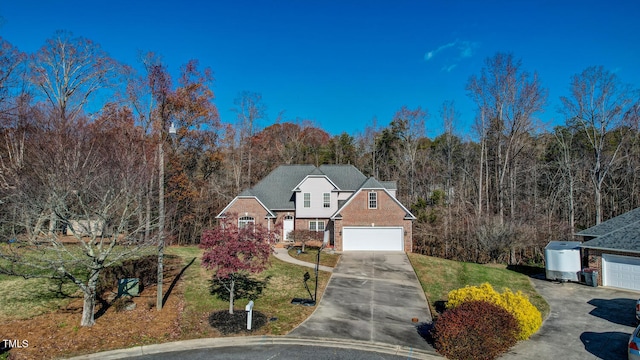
[[89, 178], [598, 105]]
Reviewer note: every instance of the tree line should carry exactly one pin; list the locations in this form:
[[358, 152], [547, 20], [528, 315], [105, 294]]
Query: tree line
[[80, 129]]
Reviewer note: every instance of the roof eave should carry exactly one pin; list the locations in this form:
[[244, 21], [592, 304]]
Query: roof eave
[[609, 249]]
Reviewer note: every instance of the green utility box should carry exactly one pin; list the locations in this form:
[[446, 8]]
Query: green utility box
[[129, 287]]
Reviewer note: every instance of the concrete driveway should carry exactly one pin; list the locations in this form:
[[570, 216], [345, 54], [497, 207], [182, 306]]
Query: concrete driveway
[[371, 296], [584, 323]]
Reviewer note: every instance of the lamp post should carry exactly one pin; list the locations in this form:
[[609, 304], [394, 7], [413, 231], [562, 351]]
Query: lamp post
[[161, 214]]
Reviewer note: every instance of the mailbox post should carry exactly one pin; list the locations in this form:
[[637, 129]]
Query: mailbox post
[[249, 310]]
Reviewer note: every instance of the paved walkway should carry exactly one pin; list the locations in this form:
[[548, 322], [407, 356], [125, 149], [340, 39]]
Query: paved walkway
[[283, 254]]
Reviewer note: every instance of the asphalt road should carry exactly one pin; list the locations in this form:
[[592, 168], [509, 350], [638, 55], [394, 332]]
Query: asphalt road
[[272, 352]]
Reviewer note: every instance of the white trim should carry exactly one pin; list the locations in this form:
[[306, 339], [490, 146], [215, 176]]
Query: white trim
[[374, 201], [246, 220], [316, 222], [304, 200], [297, 187], [223, 212]]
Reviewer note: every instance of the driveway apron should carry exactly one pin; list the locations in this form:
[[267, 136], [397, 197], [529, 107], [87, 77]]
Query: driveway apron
[[371, 296], [584, 323]]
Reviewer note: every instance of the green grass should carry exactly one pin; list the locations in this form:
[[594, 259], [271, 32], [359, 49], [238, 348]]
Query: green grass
[[439, 276], [310, 253], [22, 298], [25, 298], [285, 283]]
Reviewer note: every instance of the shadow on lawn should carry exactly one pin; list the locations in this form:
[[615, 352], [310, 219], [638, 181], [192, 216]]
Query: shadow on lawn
[[531, 271], [175, 281], [245, 287]]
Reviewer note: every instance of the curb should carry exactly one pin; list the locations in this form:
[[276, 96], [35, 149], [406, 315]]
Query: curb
[[210, 343]]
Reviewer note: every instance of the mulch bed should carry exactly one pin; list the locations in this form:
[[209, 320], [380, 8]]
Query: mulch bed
[[237, 322]]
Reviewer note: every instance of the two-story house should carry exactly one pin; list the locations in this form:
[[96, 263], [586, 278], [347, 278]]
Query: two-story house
[[354, 212]]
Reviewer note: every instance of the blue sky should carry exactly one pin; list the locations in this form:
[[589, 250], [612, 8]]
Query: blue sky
[[341, 64]]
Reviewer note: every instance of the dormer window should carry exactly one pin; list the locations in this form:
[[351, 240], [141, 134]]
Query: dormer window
[[373, 200]]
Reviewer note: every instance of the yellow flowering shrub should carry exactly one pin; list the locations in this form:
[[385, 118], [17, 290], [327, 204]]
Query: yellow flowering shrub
[[528, 317], [483, 292]]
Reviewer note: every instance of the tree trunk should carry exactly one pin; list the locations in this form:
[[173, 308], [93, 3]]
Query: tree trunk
[[89, 304], [231, 293]]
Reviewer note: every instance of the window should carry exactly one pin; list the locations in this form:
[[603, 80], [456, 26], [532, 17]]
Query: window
[[307, 200], [245, 221], [373, 200], [316, 225], [326, 197]]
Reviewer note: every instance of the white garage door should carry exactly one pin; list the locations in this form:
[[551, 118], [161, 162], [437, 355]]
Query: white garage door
[[372, 238], [621, 271]]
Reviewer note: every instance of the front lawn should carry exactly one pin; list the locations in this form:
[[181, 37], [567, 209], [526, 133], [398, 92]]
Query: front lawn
[[311, 252], [285, 282], [439, 276], [51, 324]]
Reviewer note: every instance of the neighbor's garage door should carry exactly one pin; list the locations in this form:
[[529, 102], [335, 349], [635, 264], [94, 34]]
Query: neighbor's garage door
[[621, 271], [373, 238]]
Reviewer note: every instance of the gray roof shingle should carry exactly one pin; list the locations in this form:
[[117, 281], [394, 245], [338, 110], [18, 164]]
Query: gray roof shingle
[[612, 224], [276, 189], [346, 177], [620, 233]]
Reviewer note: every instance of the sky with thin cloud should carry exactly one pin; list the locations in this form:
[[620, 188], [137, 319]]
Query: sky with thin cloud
[[345, 64]]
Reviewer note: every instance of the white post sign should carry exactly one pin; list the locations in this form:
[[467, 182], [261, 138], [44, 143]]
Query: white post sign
[[249, 310]]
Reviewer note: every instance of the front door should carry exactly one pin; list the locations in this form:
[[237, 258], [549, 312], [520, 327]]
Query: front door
[[287, 226]]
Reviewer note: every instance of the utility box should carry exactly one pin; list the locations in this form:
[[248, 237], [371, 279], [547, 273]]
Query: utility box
[[129, 287], [562, 260]]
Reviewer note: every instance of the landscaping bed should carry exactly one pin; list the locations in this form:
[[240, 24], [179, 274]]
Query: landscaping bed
[[54, 331]]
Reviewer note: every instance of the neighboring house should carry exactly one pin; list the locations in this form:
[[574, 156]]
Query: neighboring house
[[85, 227], [353, 211], [613, 248]]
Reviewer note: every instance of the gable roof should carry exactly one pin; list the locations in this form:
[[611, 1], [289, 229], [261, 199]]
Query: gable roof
[[369, 184], [246, 195], [621, 233], [275, 189]]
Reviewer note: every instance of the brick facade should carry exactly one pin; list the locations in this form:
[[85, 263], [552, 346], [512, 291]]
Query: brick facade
[[250, 207], [593, 259], [387, 213]]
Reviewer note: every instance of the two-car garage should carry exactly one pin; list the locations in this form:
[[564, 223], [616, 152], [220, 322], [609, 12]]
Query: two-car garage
[[377, 238], [621, 271]]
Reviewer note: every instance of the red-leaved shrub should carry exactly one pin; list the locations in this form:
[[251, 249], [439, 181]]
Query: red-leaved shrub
[[475, 330]]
